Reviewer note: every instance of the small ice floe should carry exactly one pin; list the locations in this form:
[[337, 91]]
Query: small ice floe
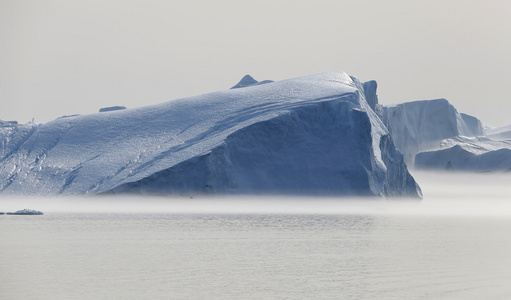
[[25, 212]]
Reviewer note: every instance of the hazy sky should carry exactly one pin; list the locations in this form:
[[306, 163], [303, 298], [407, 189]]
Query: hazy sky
[[61, 57]]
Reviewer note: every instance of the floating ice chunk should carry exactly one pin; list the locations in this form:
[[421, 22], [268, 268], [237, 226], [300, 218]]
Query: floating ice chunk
[[111, 108], [25, 212]]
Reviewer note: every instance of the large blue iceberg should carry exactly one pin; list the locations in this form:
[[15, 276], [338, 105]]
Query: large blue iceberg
[[314, 135]]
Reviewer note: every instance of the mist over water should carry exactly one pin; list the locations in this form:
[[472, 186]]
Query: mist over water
[[454, 244], [445, 193]]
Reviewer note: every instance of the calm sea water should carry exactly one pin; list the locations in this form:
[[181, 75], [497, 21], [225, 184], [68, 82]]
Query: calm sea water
[[449, 246]]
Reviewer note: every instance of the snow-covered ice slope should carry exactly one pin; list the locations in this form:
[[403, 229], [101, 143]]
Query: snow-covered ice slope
[[499, 133], [480, 154], [421, 125], [309, 135]]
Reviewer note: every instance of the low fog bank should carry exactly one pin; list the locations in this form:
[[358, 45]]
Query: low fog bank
[[451, 194], [446, 185], [198, 204]]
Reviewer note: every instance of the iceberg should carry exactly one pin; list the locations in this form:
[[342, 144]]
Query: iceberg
[[481, 154], [313, 135], [432, 134], [420, 126]]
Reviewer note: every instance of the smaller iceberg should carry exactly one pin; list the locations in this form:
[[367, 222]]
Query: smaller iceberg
[[25, 212], [479, 154], [420, 126]]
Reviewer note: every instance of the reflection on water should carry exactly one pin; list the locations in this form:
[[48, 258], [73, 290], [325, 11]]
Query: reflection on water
[[445, 247]]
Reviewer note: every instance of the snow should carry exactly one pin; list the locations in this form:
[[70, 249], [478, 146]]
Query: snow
[[309, 135], [421, 125], [8, 123], [482, 154]]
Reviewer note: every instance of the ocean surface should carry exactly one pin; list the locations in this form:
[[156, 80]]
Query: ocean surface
[[454, 244]]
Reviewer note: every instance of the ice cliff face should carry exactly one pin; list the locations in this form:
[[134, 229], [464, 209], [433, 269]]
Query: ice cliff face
[[421, 125], [472, 126], [313, 135]]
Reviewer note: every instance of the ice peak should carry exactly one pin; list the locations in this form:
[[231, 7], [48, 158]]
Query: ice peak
[[370, 93], [248, 80]]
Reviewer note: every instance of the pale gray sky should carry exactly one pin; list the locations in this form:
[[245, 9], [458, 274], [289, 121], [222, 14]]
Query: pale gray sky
[[61, 57]]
